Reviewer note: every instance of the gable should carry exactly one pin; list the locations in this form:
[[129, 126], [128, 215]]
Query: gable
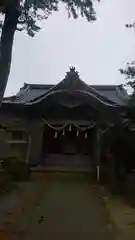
[[33, 93]]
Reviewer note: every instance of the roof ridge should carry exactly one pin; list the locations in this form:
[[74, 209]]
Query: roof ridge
[[34, 85]]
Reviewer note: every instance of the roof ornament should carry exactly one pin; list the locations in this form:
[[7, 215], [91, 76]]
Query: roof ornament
[[72, 74]]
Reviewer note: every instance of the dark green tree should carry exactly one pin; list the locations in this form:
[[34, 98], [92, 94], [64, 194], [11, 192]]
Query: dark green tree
[[23, 15], [129, 72]]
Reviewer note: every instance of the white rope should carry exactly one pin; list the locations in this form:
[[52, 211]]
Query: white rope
[[62, 127], [54, 128], [84, 128]]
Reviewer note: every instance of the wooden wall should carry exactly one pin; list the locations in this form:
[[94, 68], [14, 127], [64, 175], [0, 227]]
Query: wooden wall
[[30, 145]]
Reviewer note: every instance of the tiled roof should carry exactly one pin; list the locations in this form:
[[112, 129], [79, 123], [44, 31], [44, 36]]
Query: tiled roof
[[32, 93]]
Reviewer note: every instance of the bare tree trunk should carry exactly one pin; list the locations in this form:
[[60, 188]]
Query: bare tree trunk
[[6, 45]]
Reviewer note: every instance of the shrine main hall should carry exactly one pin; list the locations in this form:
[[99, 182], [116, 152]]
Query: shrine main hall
[[63, 126]]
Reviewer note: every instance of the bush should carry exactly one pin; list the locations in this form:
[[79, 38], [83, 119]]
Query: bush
[[19, 170], [5, 181]]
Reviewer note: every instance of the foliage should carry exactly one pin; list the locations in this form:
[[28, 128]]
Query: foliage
[[19, 170], [33, 11], [129, 72], [5, 181]]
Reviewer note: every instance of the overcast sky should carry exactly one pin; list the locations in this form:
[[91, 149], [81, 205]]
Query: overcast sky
[[96, 50]]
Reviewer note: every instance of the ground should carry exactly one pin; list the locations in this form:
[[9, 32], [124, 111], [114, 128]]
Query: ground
[[122, 213], [57, 206]]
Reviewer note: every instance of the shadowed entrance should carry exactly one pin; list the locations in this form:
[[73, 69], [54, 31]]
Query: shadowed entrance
[[68, 149]]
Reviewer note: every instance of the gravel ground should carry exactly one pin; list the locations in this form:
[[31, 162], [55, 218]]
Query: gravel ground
[[56, 206], [122, 214]]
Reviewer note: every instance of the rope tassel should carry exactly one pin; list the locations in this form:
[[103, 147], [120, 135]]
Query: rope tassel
[[77, 134], [55, 135], [86, 135], [70, 128]]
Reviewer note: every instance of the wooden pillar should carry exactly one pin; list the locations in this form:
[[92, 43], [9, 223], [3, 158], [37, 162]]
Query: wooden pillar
[[35, 141], [28, 149], [97, 153]]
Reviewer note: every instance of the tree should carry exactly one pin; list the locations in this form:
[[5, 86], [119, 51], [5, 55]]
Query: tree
[[23, 15], [129, 72]]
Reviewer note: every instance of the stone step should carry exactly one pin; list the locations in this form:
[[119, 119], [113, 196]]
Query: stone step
[[68, 160], [41, 168]]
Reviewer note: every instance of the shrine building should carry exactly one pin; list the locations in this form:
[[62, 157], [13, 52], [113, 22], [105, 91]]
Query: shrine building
[[62, 126]]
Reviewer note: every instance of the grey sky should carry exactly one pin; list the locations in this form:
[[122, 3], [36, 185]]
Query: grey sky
[[97, 50]]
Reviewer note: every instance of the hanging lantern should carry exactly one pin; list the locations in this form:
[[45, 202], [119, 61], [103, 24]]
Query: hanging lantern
[[86, 135], [70, 128], [77, 134], [55, 135], [63, 132]]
